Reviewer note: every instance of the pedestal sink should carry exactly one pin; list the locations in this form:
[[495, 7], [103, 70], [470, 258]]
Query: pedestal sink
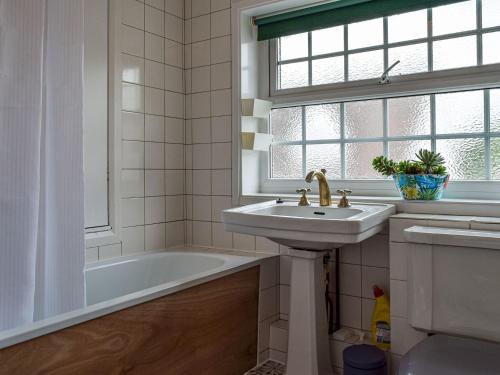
[[309, 232]]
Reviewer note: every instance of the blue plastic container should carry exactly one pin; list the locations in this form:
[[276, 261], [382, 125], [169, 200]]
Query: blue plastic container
[[364, 360], [427, 187]]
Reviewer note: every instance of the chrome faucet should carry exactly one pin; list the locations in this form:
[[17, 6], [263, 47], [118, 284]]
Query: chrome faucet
[[325, 197]]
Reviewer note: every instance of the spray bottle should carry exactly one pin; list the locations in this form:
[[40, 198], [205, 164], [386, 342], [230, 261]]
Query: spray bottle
[[381, 321]]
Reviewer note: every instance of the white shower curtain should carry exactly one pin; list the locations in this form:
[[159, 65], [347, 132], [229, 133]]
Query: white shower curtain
[[41, 159]]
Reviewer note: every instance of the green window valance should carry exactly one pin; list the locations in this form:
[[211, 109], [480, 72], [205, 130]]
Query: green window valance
[[336, 13]]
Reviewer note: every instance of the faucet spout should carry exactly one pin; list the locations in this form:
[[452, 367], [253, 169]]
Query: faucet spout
[[325, 197]]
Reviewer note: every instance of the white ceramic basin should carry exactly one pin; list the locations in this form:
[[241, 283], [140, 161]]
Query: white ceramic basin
[[308, 228]]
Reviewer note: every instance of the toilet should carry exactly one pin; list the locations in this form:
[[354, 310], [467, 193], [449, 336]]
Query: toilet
[[451, 355], [452, 293]]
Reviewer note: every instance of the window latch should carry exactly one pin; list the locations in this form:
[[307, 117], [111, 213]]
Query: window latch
[[384, 79]]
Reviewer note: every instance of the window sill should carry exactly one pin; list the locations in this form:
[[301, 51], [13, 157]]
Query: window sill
[[459, 207], [107, 237]]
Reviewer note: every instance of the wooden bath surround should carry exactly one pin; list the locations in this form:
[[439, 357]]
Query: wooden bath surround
[[209, 329]]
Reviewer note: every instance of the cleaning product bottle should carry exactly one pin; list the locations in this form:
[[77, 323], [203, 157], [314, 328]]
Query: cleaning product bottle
[[381, 321]]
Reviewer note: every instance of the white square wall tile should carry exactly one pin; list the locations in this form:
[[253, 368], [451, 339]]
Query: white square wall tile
[[154, 182], [350, 279], [221, 182], [154, 101], [351, 254], [202, 233], [221, 238], [155, 22], [174, 182], [220, 23], [188, 152], [264, 245], [174, 156], [132, 69], [220, 4], [155, 237], [174, 53], [200, 7], [175, 233], [154, 155], [132, 211], [174, 207], [132, 97], [285, 269], [187, 31], [174, 28], [202, 182], [202, 207], [155, 210], [269, 271], [220, 49], [200, 105], [220, 76], [174, 79], [133, 14], [155, 74], [374, 276], [200, 79], [244, 242], [284, 296], [110, 251], [174, 104], [221, 102], [200, 28], [221, 155], [201, 156], [221, 129], [155, 128], [132, 41], [175, 7], [154, 47], [132, 183], [375, 251], [132, 154], [350, 311], [268, 303], [367, 306], [132, 240], [132, 126], [201, 130], [188, 207], [158, 4], [174, 130], [218, 205], [91, 255], [200, 53]]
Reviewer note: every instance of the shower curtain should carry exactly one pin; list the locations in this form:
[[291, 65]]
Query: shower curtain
[[41, 160]]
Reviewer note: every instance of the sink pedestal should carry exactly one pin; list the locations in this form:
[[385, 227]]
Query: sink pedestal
[[308, 345]]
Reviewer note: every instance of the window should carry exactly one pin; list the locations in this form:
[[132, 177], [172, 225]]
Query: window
[[445, 37], [330, 111], [96, 114], [344, 137]]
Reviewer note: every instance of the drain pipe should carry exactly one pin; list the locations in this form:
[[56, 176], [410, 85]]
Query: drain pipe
[[337, 289], [328, 300]]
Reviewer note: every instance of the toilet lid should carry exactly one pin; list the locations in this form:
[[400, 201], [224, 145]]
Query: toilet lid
[[448, 355]]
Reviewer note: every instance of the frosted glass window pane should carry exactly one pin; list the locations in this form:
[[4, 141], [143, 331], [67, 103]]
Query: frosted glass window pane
[[461, 112], [293, 75], [409, 116], [323, 121], [286, 124], [455, 53], [491, 48], [454, 18], [328, 70], [491, 13], [366, 65], [328, 40], [495, 110], [358, 159], [464, 157], [407, 26], [324, 156], [286, 161], [365, 34], [413, 59], [364, 119], [495, 158], [293, 46], [406, 150]]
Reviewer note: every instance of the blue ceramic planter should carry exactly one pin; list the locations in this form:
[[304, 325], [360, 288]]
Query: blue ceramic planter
[[428, 187]]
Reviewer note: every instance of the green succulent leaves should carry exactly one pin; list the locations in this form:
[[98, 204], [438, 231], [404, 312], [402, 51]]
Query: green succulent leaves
[[428, 162]]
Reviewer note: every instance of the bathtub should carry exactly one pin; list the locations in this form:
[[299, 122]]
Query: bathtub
[[119, 283]]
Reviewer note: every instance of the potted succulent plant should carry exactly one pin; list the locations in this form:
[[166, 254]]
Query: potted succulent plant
[[421, 179]]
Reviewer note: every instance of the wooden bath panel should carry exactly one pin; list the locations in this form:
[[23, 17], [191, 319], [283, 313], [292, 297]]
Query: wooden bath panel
[[209, 329]]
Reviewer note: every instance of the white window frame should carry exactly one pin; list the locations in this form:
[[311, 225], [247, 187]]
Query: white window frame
[[110, 234], [432, 82]]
